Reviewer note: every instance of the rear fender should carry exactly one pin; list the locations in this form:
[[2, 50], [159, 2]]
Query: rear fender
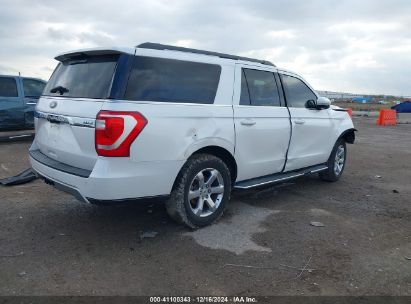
[[206, 142]]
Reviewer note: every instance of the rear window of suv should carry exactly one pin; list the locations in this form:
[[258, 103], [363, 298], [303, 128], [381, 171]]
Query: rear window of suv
[[169, 80], [86, 77], [8, 87]]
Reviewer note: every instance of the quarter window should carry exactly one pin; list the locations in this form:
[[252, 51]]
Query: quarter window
[[169, 80], [297, 92], [259, 88], [33, 88], [8, 87]]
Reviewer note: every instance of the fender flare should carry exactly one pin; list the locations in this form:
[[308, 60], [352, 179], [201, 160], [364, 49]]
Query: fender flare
[[348, 135]]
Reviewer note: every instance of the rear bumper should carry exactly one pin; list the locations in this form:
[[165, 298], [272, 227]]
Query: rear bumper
[[59, 166], [112, 180], [64, 187]]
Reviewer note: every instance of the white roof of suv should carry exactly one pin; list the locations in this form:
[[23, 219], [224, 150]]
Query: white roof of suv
[[155, 47]]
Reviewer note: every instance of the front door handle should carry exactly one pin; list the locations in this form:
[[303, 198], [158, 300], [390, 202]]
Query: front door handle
[[299, 121], [248, 122]]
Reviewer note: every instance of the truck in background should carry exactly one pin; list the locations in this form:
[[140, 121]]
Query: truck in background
[[18, 98]]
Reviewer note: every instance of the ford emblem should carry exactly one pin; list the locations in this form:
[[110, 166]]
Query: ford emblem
[[53, 104]]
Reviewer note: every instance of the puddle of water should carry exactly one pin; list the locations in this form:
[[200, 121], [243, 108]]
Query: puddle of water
[[235, 233], [320, 212]]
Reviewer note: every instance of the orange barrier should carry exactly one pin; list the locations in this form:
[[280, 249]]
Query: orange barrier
[[349, 110], [387, 118]]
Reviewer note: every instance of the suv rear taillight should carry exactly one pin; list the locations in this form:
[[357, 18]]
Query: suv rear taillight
[[116, 131]]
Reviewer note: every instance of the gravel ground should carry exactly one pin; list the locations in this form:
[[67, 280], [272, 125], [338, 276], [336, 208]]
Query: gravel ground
[[51, 244]]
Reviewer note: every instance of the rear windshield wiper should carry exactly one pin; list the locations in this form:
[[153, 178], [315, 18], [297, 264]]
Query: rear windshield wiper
[[60, 89]]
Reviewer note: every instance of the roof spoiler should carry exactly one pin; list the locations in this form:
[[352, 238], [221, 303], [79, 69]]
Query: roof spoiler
[[82, 53]]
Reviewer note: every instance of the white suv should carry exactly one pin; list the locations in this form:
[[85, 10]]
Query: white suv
[[182, 125]]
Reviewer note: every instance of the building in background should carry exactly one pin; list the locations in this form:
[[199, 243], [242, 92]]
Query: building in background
[[338, 95]]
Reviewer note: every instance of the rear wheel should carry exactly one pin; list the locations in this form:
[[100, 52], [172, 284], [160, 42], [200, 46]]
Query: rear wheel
[[201, 191], [336, 162]]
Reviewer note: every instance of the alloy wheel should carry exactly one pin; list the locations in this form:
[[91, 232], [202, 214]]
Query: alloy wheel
[[339, 160], [206, 192]]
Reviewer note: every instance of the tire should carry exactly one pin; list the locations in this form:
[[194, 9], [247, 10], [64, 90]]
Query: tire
[[194, 181], [336, 162]]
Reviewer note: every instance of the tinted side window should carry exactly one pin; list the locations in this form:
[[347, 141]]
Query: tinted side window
[[168, 80], [8, 87], [245, 94], [262, 88], [297, 92], [33, 88]]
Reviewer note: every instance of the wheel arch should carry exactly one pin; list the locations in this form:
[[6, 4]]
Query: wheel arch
[[224, 155], [348, 135], [218, 151]]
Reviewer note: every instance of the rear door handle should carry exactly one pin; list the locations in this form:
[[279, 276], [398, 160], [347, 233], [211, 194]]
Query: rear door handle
[[299, 121], [248, 122]]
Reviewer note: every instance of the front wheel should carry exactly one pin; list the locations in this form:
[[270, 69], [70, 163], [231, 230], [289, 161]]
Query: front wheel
[[201, 191], [336, 162]]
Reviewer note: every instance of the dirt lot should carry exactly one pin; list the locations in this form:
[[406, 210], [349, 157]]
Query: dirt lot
[[365, 107], [51, 244]]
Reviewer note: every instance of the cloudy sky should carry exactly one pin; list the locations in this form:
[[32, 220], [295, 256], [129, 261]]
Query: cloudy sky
[[361, 46]]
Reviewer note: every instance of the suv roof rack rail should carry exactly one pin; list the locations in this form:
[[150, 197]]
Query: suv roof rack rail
[[158, 46]]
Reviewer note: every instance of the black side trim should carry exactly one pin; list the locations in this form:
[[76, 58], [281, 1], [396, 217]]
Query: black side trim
[[340, 110], [348, 135], [284, 100], [278, 177], [125, 201], [120, 77], [158, 46], [52, 163]]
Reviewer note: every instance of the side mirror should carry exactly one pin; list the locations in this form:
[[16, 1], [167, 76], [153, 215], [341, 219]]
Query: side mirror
[[323, 103], [310, 104]]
